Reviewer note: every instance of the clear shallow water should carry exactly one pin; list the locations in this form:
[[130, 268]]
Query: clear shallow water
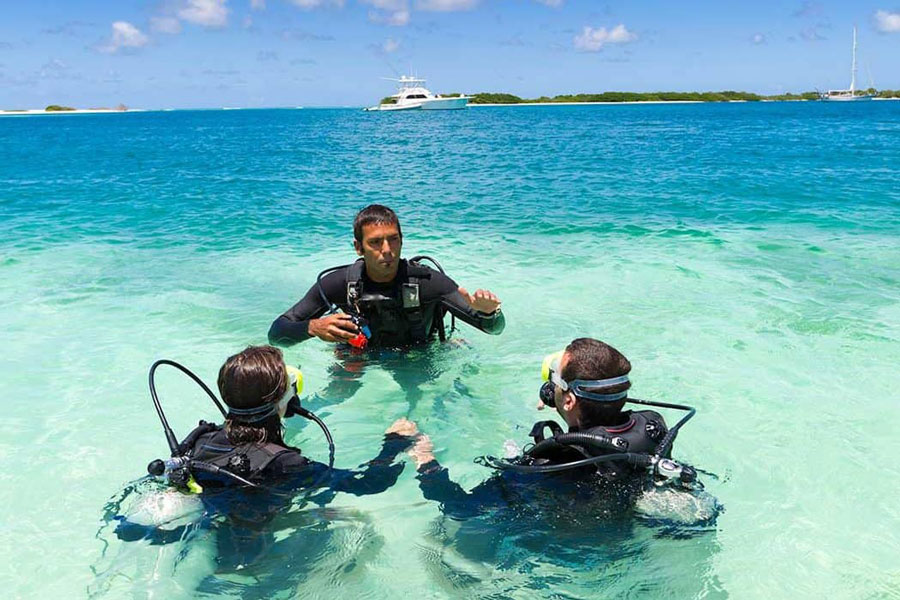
[[745, 257]]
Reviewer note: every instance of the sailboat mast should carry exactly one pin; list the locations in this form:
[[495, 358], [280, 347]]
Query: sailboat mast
[[853, 70]]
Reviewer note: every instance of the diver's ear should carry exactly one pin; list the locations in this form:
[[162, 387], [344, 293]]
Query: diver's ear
[[569, 401], [358, 247]]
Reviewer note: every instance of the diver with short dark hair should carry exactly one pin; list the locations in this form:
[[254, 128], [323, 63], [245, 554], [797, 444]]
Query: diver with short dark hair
[[381, 299], [619, 450]]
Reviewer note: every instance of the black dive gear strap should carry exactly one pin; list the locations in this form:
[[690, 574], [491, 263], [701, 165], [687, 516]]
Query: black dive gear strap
[[616, 450], [409, 293], [181, 462]]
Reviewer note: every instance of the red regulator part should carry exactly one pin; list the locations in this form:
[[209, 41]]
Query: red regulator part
[[359, 342]]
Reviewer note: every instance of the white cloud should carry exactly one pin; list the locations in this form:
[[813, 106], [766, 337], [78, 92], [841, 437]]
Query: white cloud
[[124, 35], [209, 13], [308, 4], [887, 22], [445, 5], [165, 25], [389, 12], [258, 4], [758, 38], [593, 40], [390, 45], [397, 19], [389, 5]]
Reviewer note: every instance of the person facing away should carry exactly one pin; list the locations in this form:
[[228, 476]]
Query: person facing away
[[258, 388], [402, 302], [587, 386]]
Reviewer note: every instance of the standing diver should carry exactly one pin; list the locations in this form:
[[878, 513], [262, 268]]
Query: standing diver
[[381, 299], [618, 450]]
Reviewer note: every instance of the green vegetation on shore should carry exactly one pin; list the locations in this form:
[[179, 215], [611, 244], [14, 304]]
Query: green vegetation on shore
[[57, 108], [724, 96]]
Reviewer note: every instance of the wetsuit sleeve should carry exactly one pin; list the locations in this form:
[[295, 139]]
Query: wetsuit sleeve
[[293, 326], [454, 302], [436, 485], [378, 474]]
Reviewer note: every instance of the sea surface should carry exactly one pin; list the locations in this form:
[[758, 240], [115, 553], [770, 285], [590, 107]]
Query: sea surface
[[745, 257]]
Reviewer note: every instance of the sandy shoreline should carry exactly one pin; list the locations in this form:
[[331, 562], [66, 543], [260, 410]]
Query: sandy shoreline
[[77, 111], [594, 103], [82, 111], [648, 102]]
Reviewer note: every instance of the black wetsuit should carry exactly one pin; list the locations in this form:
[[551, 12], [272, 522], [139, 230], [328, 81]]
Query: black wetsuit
[[286, 467], [408, 310], [613, 484], [280, 470]]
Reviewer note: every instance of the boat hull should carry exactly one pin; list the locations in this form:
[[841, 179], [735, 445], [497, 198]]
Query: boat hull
[[845, 98], [445, 104], [430, 104]]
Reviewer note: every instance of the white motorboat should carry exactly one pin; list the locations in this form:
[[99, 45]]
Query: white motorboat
[[413, 95], [851, 94]]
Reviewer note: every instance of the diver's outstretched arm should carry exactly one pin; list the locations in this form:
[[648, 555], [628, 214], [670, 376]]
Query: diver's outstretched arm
[[436, 485], [378, 474]]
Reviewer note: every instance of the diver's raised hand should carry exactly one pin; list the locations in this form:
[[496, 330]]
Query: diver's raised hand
[[483, 301], [338, 327]]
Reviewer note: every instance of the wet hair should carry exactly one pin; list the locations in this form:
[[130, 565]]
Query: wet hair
[[374, 214], [249, 379], [593, 359]]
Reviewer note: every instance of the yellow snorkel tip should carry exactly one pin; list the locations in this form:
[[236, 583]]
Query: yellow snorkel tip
[[549, 361], [295, 377]]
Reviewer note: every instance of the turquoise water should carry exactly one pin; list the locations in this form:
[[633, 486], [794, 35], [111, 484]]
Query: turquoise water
[[745, 257]]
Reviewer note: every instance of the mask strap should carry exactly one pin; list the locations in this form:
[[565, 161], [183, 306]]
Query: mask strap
[[579, 386], [252, 415]]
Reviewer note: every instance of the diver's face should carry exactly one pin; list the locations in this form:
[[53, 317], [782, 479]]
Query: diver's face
[[565, 401], [380, 248]]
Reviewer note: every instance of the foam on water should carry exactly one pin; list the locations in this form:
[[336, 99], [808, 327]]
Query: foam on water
[[744, 257]]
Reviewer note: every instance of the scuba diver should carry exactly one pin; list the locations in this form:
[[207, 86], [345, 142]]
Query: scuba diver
[[382, 300], [607, 451], [244, 484], [248, 451]]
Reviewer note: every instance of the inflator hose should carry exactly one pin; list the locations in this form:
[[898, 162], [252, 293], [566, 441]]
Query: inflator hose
[[633, 458], [170, 435]]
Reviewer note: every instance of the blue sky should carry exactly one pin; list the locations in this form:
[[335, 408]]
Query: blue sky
[[208, 53]]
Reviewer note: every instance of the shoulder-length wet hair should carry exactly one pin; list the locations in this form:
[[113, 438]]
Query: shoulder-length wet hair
[[251, 379]]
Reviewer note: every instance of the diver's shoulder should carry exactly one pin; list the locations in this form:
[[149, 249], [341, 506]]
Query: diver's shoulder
[[650, 415], [432, 278]]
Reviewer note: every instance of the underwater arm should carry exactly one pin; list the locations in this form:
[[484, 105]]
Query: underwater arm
[[378, 474], [436, 485]]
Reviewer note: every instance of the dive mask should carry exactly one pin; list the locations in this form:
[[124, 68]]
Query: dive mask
[[553, 379], [263, 411]]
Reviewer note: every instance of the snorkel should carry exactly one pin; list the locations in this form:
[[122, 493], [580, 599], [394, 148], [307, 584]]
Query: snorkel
[[180, 465], [657, 464]]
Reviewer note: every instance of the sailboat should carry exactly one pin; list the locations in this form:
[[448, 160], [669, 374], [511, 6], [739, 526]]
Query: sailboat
[[847, 95]]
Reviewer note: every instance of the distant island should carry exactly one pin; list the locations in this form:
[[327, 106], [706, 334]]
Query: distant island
[[59, 108], [725, 96]]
